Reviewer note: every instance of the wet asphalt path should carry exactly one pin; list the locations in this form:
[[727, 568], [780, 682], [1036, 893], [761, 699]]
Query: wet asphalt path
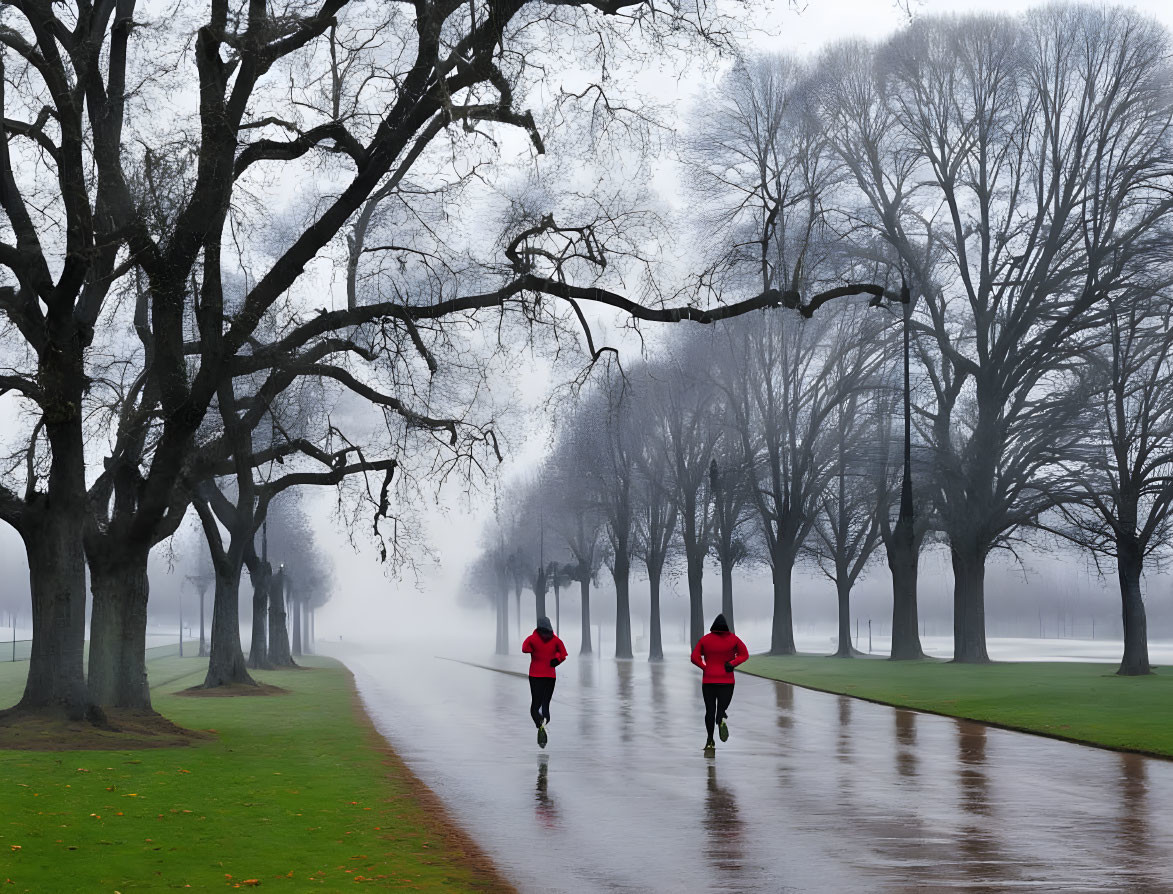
[[812, 792]]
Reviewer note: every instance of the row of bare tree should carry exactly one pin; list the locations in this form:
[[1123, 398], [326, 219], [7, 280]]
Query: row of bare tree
[[1014, 174]]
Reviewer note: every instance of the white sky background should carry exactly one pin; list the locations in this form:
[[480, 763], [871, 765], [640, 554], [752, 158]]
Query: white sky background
[[368, 603]]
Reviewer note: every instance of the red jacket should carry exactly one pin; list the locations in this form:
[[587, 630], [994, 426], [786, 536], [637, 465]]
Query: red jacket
[[540, 653], [713, 650]]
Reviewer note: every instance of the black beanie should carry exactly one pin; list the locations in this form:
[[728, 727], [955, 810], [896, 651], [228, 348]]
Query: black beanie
[[544, 624], [720, 625]]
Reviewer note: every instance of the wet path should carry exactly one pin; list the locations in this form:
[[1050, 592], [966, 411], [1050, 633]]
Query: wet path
[[812, 792]]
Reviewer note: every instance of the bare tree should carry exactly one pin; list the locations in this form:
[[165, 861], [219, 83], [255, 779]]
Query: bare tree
[[1125, 480], [608, 434], [731, 485], [1012, 164], [847, 526], [656, 511], [682, 421], [576, 519]]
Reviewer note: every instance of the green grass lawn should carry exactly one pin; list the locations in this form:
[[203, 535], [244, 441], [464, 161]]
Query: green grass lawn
[[294, 793], [1082, 702]]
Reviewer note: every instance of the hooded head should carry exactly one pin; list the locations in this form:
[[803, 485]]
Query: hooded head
[[720, 625], [545, 628]]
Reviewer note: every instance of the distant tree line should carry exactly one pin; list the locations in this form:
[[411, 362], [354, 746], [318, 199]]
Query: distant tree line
[[1008, 180]]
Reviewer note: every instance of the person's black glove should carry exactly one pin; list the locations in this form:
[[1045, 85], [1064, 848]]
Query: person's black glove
[[728, 667], [554, 662]]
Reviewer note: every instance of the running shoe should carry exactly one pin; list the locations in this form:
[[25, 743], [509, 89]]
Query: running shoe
[[542, 737], [710, 746], [723, 730]]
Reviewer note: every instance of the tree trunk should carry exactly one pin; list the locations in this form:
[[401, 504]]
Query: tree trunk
[[727, 593], [584, 592], [517, 608], [902, 547], [203, 640], [843, 599], [118, 629], [656, 652], [279, 653], [622, 575], [56, 674], [1129, 565], [903, 556], [503, 622], [969, 604], [52, 531], [695, 561], [782, 631], [258, 652], [295, 606], [539, 604], [226, 663], [557, 608]]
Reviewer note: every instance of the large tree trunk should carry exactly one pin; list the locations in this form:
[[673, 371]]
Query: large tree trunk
[[969, 604], [118, 628], [843, 599], [503, 622], [279, 652], [52, 530], [727, 593], [226, 664], [656, 651], [56, 674], [539, 604], [695, 561], [258, 652], [557, 608], [782, 631], [1129, 565], [584, 593], [903, 556], [622, 575]]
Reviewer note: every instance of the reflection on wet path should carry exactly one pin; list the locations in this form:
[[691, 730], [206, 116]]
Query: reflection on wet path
[[812, 792], [722, 825], [547, 810]]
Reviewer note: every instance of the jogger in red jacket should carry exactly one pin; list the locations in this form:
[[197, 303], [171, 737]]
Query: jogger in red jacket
[[717, 653], [546, 652]]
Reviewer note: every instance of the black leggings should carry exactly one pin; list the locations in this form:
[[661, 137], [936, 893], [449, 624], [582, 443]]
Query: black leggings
[[717, 697], [541, 690]]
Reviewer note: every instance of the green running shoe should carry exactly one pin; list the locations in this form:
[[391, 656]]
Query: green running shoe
[[723, 730], [542, 737], [710, 747]]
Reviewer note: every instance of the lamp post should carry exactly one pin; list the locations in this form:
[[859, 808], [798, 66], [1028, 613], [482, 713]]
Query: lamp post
[[902, 550]]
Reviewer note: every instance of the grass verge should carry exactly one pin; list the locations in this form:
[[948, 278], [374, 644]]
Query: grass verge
[[1079, 702], [293, 792]]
